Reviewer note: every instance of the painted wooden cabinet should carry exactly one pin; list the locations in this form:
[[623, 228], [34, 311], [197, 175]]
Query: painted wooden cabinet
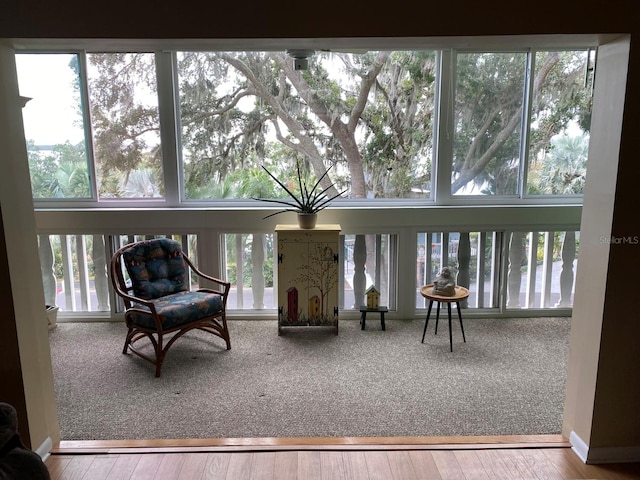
[[308, 270]]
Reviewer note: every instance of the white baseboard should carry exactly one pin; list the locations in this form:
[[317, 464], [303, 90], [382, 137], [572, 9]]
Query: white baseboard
[[596, 455], [45, 449], [579, 446]]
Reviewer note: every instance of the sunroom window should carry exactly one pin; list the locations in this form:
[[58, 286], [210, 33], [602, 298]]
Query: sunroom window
[[510, 126], [59, 162], [560, 122], [125, 121], [124, 133], [518, 128], [488, 123], [370, 114]]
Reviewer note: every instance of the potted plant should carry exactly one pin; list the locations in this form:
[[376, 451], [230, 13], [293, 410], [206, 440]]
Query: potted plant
[[307, 203]]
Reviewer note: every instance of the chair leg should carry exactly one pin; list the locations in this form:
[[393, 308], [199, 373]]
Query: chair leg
[[226, 336], [450, 334], [460, 318], [427, 320], [127, 341], [159, 355]]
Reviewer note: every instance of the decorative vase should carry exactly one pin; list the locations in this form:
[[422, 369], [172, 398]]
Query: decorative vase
[[307, 220], [52, 316]]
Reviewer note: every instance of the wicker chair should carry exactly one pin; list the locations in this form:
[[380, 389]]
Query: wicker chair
[[160, 305]]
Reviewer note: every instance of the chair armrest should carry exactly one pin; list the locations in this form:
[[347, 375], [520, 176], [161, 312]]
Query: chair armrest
[[225, 286], [133, 299]]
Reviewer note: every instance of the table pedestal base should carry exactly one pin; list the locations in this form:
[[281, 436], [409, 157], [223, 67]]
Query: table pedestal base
[[461, 294]]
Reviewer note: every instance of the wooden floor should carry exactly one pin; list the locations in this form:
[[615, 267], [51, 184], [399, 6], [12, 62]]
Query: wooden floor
[[441, 458]]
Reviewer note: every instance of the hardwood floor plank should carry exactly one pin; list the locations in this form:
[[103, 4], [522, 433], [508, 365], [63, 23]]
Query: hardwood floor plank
[[332, 466], [336, 464], [378, 465], [193, 466], [100, 467], [309, 465], [471, 465], [147, 467], [124, 466], [559, 459], [448, 466], [401, 465], [424, 465], [540, 464], [239, 465], [356, 465], [286, 466], [78, 466], [170, 466], [514, 463], [263, 466], [495, 466], [217, 465], [57, 464]]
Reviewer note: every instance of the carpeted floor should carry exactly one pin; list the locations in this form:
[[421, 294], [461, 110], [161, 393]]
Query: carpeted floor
[[507, 379]]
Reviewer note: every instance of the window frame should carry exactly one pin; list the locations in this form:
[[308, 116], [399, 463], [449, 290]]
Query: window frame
[[442, 148]]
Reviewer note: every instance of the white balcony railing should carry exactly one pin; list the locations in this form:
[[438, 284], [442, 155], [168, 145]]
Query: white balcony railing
[[505, 270]]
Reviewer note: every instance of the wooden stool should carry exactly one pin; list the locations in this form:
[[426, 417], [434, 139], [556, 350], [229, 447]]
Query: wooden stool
[[461, 294], [363, 317]]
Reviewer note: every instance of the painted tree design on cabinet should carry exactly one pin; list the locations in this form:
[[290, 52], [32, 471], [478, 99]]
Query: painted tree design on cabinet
[[308, 276]]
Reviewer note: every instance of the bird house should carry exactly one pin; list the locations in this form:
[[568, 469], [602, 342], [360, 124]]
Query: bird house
[[373, 297]]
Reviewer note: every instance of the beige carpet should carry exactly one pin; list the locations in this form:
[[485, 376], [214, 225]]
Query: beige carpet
[[507, 379]]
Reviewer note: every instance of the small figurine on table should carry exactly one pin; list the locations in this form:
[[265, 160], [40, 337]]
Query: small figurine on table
[[445, 284]]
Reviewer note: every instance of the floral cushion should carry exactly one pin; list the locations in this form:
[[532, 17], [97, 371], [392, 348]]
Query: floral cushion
[[179, 309], [156, 268]]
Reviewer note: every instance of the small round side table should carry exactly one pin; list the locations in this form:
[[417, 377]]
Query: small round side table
[[461, 294]]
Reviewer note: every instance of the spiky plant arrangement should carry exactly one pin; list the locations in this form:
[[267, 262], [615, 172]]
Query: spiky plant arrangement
[[309, 201]]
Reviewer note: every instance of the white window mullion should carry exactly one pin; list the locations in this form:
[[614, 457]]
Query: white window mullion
[[444, 129], [526, 124], [169, 127], [88, 130]]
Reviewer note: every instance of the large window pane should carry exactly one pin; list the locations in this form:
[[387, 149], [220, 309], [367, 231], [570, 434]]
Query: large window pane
[[53, 125], [370, 115], [560, 122], [489, 97], [126, 127]]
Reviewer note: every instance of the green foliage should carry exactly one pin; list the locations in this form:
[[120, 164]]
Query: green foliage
[[62, 173], [370, 115], [564, 168], [125, 122], [489, 111], [488, 104]]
